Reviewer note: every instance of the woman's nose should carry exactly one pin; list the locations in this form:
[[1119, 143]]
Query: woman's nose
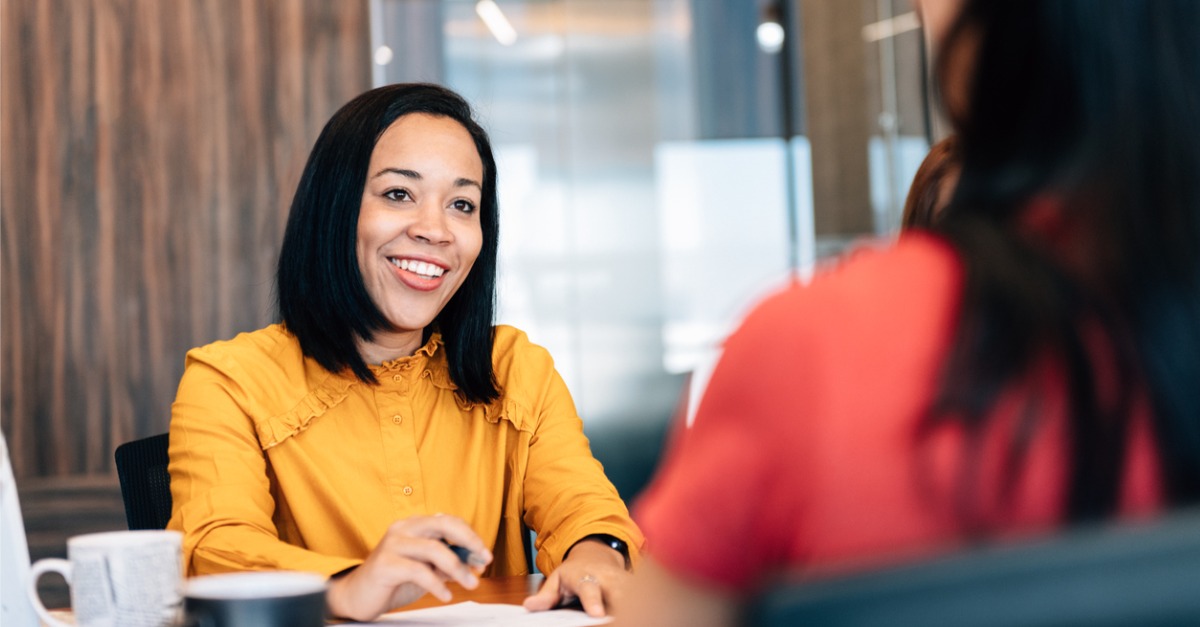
[[429, 224]]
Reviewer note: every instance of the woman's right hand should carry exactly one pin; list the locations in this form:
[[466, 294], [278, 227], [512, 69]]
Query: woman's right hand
[[409, 561]]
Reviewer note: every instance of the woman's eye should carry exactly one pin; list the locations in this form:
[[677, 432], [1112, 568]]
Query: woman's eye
[[396, 195], [464, 206]]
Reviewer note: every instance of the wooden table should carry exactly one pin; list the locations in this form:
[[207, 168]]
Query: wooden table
[[510, 589]]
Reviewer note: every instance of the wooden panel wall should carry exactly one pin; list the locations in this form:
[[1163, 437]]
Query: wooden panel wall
[[150, 150]]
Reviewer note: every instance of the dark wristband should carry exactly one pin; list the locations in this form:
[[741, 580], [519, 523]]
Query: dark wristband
[[611, 542]]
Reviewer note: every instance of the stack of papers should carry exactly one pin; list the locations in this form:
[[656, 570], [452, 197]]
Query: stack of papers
[[486, 615]]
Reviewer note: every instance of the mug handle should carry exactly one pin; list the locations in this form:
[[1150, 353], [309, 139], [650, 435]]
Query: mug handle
[[41, 567]]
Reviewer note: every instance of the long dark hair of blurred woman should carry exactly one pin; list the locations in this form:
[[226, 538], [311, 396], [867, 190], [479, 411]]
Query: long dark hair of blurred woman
[[1077, 216]]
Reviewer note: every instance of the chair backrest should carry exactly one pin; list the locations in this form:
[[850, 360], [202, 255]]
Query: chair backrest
[[1145, 574], [145, 482]]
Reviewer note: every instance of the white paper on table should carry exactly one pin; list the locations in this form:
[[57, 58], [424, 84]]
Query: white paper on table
[[486, 615]]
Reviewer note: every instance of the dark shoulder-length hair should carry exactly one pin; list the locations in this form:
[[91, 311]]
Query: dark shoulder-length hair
[[1091, 107], [925, 198], [321, 296]]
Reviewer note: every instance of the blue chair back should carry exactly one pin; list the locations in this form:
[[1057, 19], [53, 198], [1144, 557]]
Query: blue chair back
[[1145, 574]]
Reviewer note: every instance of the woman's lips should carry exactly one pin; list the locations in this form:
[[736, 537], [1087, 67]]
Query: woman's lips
[[418, 274]]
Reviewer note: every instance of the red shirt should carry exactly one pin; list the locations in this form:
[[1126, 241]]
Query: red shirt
[[804, 452]]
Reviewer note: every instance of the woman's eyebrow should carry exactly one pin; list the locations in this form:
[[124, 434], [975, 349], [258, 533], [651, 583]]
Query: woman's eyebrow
[[413, 174], [468, 183]]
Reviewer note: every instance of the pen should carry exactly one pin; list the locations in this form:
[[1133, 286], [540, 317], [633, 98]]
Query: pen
[[465, 555]]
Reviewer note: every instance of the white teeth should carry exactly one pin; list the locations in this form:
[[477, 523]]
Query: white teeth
[[427, 270]]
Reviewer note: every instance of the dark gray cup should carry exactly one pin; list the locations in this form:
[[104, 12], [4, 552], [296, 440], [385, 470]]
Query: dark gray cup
[[255, 599]]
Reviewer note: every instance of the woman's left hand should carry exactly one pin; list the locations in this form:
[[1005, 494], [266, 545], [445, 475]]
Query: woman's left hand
[[593, 572]]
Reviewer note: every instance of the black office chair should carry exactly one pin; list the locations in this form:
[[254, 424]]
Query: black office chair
[[1119, 575], [145, 482]]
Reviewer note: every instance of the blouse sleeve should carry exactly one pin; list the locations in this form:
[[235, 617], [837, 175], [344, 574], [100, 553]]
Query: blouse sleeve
[[221, 493], [567, 495]]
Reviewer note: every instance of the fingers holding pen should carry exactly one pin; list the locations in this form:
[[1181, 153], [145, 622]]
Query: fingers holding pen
[[456, 533], [442, 542], [413, 557]]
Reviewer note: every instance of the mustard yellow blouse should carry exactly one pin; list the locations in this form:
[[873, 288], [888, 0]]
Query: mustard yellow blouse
[[276, 463]]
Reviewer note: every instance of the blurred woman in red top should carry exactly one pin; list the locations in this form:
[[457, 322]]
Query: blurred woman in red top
[[1033, 362]]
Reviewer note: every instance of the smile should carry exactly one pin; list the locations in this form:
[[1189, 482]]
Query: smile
[[420, 268]]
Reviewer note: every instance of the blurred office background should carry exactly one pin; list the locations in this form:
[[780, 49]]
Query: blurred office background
[[662, 162]]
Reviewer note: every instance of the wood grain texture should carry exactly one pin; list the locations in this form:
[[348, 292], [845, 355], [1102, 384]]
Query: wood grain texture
[[150, 150]]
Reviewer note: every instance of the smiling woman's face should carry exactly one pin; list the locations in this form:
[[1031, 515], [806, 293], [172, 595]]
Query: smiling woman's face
[[418, 226]]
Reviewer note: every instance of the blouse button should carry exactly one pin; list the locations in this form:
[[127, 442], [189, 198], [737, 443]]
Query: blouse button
[[397, 419], [396, 377], [407, 490]]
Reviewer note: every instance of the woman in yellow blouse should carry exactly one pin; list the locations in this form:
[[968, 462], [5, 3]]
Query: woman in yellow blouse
[[385, 415]]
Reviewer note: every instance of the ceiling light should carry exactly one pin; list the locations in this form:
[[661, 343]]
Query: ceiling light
[[383, 55], [495, 21], [891, 27], [770, 37]]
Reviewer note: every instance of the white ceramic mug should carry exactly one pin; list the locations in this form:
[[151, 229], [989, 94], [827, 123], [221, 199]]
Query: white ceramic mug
[[117, 579]]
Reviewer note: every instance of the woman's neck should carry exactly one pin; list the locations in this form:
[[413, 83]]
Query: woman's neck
[[389, 346]]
